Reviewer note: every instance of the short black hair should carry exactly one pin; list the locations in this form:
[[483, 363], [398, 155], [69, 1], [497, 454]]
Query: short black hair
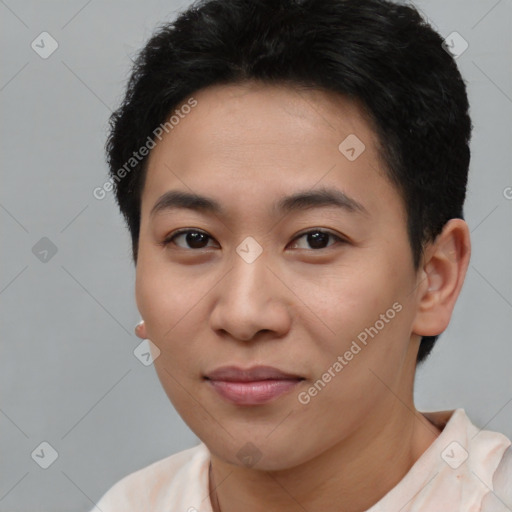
[[381, 54]]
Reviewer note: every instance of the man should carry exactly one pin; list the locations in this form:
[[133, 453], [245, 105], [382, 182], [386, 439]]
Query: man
[[293, 176]]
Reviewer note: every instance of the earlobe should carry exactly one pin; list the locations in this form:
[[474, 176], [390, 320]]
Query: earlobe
[[140, 330], [444, 270]]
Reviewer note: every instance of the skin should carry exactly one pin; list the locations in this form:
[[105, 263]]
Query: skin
[[296, 307]]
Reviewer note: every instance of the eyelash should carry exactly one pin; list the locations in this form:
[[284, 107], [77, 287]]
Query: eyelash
[[169, 239]]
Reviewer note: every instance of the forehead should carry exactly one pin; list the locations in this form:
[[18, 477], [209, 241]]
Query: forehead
[[254, 113], [263, 141]]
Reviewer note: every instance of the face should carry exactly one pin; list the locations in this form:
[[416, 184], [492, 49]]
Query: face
[[318, 290]]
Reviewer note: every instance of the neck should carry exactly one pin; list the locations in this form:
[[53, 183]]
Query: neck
[[357, 472]]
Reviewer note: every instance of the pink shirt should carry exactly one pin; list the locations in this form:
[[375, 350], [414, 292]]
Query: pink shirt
[[464, 470]]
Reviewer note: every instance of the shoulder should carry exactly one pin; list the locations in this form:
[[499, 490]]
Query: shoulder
[[499, 497], [489, 465], [178, 481], [465, 468]]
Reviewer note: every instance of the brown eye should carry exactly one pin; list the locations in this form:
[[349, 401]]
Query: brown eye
[[318, 238], [193, 239]]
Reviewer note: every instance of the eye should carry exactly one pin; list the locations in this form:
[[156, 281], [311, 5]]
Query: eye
[[318, 237], [194, 238]]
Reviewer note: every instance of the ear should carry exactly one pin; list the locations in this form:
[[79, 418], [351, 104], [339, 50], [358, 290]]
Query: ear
[[440, 278], [140, 330]]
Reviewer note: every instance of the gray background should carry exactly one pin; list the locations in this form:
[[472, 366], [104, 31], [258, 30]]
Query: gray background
[[67, 370]]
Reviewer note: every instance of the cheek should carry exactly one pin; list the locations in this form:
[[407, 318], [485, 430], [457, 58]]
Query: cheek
[[159, 297], [168, 313], [351, 299], [172, 304], [367, 308], [149, 296]]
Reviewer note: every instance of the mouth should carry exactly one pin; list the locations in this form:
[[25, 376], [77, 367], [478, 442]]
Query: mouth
[[252, 386]]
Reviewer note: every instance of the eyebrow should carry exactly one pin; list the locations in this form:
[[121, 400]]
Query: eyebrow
[[301, 200]]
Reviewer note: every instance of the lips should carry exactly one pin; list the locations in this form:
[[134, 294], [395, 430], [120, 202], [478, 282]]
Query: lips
[[252, 386], [256, 373]]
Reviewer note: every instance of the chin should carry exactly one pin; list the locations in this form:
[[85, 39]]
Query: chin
[[258, 454]]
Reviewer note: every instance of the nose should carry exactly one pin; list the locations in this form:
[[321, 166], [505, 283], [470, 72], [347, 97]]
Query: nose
[[251, 300]]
